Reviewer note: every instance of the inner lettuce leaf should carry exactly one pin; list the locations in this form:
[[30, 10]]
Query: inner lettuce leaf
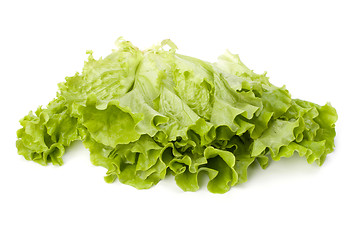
[[146, 114]]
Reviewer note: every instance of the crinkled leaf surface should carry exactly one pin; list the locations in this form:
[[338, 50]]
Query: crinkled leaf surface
[[143, 114]]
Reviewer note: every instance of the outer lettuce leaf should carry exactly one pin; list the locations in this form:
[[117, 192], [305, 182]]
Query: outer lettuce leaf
[[137, 164], [110, 126], [46, 134], [217, 164], [143, 114], [280, 133]]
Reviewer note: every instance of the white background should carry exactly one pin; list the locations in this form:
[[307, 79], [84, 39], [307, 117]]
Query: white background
[[310, 46]]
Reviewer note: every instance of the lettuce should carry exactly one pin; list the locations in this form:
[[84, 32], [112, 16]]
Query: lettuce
[[144, 114]]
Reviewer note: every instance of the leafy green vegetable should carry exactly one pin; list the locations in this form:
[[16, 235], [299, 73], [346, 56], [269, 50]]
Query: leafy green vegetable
[[143, 114]]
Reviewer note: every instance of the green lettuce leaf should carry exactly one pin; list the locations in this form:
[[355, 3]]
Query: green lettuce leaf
[[144, 114]]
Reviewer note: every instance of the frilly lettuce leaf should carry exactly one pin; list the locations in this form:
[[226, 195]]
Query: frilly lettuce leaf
[[143, 114], [46, 134]]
